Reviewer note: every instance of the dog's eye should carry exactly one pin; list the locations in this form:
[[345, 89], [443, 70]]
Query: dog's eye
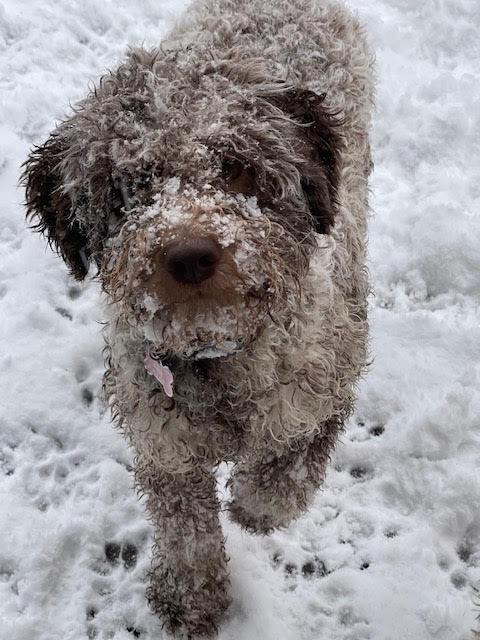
[[126, 193], [239, 177], [122, 195], [122, 201], [232, 169]]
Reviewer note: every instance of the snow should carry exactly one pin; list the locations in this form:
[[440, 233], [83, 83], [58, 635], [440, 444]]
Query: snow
[[391, 546], [226, 348]]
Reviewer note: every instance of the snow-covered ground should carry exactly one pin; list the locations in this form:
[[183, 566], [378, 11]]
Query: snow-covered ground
[[391, 548]]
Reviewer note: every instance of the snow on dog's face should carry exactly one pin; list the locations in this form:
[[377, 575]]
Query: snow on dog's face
[[198, 193], [201, 268]]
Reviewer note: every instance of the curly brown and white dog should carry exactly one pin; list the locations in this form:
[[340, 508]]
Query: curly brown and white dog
[[219, 185]]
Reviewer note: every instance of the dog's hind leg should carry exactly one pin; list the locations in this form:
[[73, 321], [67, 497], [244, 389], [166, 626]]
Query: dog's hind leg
[[271, 492], [188, 578]]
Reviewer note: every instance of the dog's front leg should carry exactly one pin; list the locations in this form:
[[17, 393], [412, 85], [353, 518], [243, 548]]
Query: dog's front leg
[[270, 492], [188, 579]]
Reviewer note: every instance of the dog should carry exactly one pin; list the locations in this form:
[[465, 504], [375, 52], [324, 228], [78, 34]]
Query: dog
[[219, 184]]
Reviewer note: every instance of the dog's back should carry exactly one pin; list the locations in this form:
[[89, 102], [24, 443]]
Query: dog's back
[[315, 43]]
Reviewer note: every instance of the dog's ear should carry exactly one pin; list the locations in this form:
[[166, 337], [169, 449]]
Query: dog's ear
[[320, 128], [49, 206], [318, 125]]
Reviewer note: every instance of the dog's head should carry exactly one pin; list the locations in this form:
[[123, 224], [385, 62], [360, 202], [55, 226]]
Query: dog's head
[[198, 192]]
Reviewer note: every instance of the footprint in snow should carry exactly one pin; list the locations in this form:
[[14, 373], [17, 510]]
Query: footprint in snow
[[127, 553], [361, 473], [310, 569], [117, 557], [74, 292]]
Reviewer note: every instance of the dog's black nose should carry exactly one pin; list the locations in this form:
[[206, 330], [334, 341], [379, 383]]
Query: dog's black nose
[[192, 260]]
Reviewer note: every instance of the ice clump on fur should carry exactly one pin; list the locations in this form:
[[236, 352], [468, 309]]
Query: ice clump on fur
[[227, 348]]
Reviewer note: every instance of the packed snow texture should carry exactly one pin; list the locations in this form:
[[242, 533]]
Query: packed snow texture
[[391, 547]]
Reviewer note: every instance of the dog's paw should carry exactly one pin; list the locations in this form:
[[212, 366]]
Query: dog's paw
[[186, 622], [187, 613], [259, 523], [207, 628]]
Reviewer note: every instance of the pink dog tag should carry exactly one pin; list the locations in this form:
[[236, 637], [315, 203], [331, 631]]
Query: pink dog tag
[[161, 373]]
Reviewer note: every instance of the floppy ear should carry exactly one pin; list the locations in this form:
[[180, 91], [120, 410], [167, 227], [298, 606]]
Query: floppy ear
[[51, 207], [321, 130], [319, 126]]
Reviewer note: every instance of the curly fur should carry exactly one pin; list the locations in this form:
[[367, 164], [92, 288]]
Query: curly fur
[[249, 125]]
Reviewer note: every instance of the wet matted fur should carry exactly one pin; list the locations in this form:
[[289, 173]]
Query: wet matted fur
[[241, 141]]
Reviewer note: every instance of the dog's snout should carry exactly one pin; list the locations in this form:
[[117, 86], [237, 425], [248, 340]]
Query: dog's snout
[[192, 260]]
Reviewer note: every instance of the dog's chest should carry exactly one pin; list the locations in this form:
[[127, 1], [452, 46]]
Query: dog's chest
[[215, 405]]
